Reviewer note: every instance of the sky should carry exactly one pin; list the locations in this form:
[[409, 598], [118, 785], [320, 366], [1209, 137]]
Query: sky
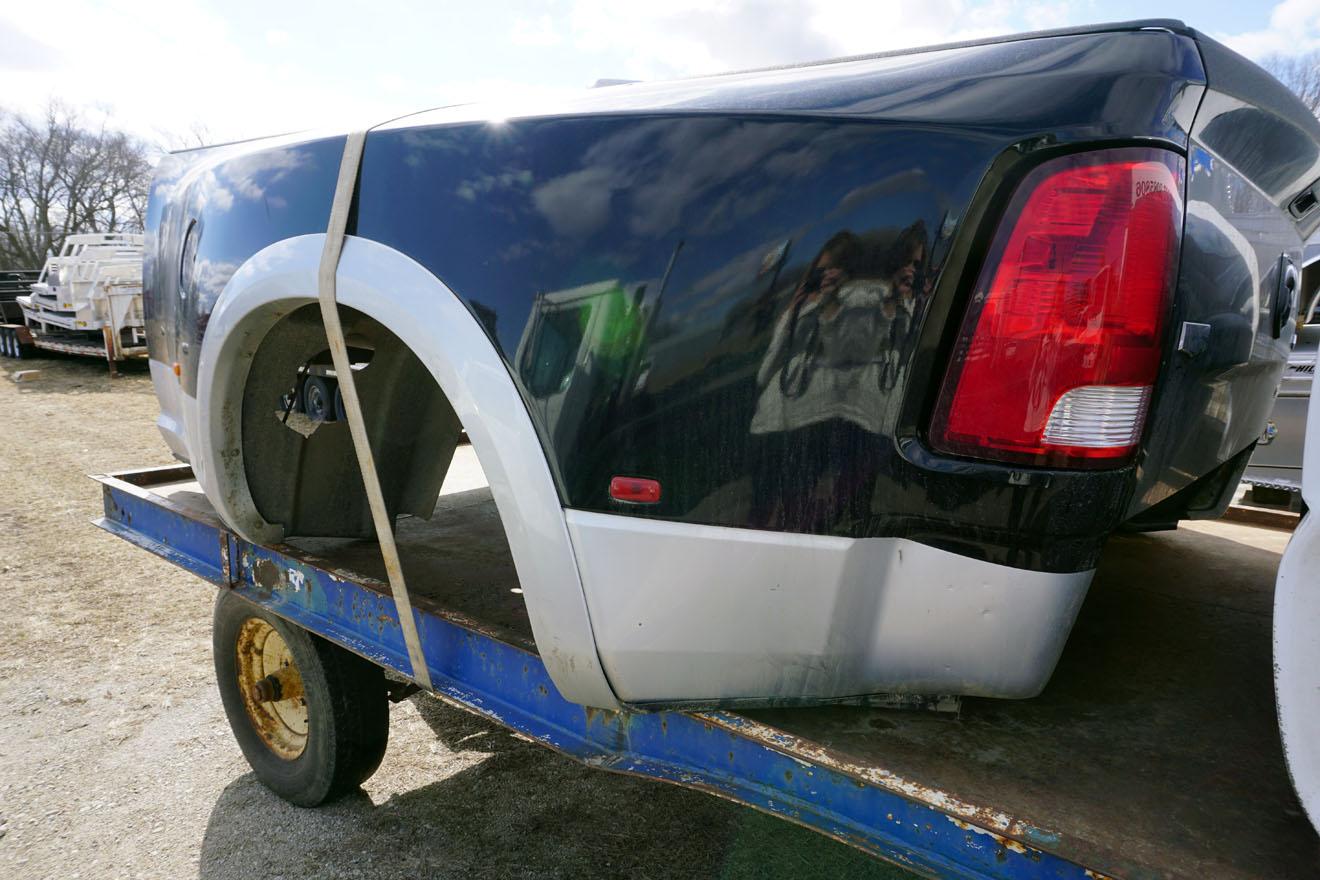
[[174, 71]]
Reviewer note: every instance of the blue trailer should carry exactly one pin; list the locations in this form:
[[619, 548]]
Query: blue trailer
[[1153, 753]]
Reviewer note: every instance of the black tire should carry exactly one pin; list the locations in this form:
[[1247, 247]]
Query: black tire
[[340, 414], [347, 709], [319, 399]]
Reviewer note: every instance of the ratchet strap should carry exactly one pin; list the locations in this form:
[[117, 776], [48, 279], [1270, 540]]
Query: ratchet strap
[[334, 332]]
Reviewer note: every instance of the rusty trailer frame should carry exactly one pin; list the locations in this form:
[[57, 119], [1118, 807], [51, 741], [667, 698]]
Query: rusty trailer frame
[[491, 670]]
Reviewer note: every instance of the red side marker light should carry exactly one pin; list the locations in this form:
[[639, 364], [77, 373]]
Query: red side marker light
[[635, 490]]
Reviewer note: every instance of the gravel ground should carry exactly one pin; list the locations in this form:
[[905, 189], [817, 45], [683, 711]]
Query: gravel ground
[[116, 759]]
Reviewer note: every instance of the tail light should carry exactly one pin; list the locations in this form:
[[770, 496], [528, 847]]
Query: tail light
[[1058, 352]]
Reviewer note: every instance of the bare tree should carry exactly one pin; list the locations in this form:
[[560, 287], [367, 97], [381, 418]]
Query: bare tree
[[1301, 73], [198, 135], [60, 176]]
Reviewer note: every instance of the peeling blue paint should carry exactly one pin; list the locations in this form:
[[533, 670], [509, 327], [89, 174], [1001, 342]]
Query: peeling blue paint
[[719, 752]]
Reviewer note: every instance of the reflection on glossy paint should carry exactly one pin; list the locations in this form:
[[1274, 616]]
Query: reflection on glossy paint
[[716, 196], [641, 276], [237, 201], [1139, 82], [581, 346], [824, 386], [1209, 406]]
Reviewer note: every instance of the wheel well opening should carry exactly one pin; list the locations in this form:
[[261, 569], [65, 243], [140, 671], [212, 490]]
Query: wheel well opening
[[298, 455]]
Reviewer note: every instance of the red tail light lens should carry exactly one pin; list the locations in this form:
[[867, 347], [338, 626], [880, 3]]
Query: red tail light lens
[[1059, 350]]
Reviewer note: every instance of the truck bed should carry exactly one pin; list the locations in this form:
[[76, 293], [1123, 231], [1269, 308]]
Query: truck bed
[[1154, 751]]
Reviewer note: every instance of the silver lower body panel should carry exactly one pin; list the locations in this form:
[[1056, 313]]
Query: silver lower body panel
[[687, 613]]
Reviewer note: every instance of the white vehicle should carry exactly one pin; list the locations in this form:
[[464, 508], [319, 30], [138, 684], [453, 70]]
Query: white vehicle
[[1296, 644], [87, 299]]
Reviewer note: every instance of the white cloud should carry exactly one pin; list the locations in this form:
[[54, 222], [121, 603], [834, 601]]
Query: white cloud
[[1294, 28], [540, 31], [180, 67], [687, 37], [24, 52], [163, 65], [184, 64], [895, 24]]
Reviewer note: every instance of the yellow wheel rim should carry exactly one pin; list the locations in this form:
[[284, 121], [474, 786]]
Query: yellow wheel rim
[[272, 688]]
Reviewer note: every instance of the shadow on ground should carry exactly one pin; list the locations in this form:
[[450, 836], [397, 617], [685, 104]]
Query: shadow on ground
[[519, 811]]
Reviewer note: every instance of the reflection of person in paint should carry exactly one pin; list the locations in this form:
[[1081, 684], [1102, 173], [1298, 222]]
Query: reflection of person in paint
[[826, 380], [804, 416], [905, 301], [902, 265]]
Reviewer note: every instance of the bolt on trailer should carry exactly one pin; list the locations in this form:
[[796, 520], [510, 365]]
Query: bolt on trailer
[[1118, 770]]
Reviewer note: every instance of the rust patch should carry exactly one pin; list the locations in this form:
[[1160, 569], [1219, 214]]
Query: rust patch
[[266, 574], [1001, 826], [271, 688], [283, 684], [604, 716], [225, 570], [1004, 844]]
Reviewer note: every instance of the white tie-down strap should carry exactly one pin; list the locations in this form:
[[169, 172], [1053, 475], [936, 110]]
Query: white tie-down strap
[[334, 332]]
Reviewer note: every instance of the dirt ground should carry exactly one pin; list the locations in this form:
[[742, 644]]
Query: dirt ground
[[116, 759]]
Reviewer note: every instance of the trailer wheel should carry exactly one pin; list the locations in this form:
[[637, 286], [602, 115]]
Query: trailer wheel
[[318, 399], [341, 415], [311, 718], [7, 338]]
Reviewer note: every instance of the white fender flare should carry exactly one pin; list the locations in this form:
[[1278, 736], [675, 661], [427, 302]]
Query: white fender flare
[[435, 325]]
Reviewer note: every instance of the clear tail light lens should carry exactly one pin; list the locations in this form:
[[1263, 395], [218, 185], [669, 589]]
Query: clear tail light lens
[[1058, 353]]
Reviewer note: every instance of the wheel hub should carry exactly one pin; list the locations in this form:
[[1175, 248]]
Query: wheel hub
[[272, 688]]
